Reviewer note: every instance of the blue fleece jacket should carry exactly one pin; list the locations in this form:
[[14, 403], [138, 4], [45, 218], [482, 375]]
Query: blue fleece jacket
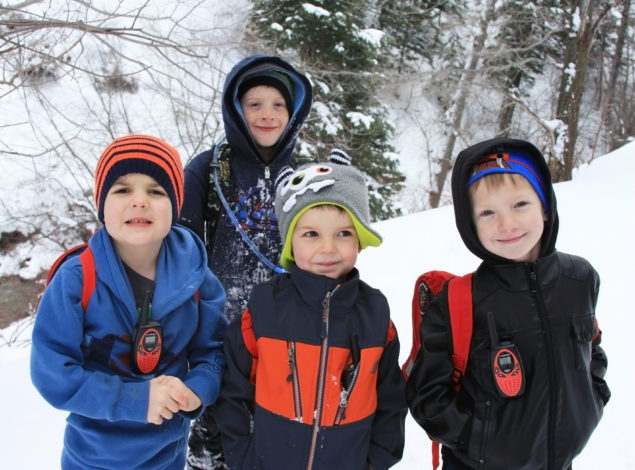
[[80, 361]]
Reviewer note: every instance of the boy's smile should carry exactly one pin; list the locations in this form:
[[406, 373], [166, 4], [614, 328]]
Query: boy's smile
[[509, 219]]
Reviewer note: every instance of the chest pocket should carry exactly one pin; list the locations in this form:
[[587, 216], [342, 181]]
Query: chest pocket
[[582, 333]]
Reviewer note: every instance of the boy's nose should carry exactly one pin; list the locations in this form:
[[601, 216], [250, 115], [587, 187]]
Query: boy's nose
[[140, 200], [507, 223], [267, 113], [328, 246]]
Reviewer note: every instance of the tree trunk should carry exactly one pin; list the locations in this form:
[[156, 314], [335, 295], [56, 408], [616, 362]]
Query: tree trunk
[[508, 106], [447, 161], [608, 97], [572, 82]]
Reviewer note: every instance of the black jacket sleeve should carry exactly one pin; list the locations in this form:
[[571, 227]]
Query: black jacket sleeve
[[234, 407], [388, 432], [599, 361], [434, 404]]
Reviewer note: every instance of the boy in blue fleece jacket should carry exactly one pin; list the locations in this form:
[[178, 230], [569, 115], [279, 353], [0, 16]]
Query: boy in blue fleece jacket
[[125, 411]]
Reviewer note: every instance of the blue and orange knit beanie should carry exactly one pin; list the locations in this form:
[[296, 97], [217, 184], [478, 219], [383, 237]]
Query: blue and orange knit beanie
[[144, 154], [511, 162]]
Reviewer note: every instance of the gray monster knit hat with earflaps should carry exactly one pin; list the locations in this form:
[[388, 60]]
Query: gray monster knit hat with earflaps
[[334, 182]]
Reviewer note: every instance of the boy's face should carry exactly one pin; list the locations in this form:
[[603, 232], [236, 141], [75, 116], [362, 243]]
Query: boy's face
[[266, 114], [325, 242], [509, 219], [137, 212]]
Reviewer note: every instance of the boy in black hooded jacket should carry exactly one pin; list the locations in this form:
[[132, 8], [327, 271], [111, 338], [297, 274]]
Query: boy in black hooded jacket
[[534, 389]]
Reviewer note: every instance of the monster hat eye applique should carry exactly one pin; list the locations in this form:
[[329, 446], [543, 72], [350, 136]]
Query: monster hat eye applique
[[310, 178]]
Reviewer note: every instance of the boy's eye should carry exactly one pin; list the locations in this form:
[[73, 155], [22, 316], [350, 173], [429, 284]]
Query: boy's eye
[[486, 212], [310, 234], [521, 204], [346, 233], [158, 192]]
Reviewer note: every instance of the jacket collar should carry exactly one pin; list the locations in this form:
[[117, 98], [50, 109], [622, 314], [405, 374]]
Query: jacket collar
[[516, 276], [313, 288]]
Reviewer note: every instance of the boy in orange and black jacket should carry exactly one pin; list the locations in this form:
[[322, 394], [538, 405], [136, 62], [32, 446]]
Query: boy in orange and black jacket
[[314, 357]]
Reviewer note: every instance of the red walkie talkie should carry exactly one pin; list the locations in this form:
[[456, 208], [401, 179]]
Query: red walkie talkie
[[507, 368], [147, 343]]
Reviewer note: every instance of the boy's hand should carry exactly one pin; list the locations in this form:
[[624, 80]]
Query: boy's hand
[[168, 395]]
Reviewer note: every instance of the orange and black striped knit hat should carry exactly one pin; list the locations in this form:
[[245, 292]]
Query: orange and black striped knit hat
[[144, 154]]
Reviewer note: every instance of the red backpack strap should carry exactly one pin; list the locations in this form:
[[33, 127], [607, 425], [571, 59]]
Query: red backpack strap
[[88, 270], [249, 337], [461, 321], [433, 281], [390, 333], [436, 460]]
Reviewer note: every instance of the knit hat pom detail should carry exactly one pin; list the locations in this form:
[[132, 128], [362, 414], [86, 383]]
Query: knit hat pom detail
[[283, 176], [339, 156]]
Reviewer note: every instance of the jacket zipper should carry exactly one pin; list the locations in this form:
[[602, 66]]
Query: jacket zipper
[[319, 395], [344, 394], [533, 277], [295, 382]]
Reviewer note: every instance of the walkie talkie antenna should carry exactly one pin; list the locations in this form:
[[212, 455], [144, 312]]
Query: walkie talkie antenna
[[144, 315], [493, 334]]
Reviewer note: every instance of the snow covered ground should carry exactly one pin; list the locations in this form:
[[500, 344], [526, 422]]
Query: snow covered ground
[[596, 221]]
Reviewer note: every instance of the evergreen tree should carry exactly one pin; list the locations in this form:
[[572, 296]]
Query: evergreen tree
[[341, 55], [414, 31]]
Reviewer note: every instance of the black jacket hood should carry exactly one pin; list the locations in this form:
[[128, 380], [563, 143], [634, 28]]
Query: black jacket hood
[[236, 132], [462, 212]]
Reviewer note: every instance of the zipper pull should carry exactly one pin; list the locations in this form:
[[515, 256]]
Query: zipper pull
[[533, 280], [267, 172], [346, 379], [291, 361]]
